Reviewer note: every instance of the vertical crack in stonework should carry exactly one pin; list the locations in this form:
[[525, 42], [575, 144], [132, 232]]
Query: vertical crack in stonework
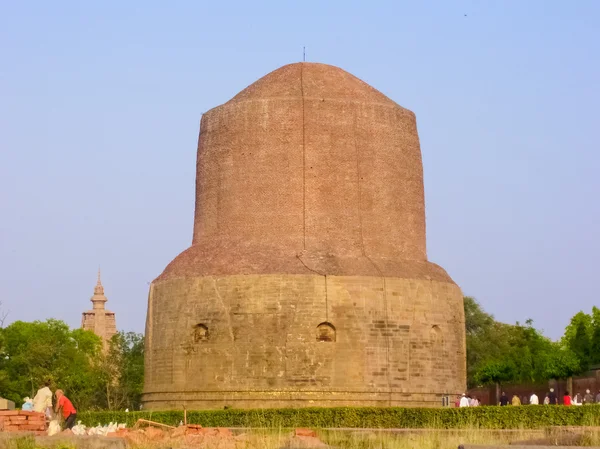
[[357, 150], [326, 301], [303, 159], [227, 310]]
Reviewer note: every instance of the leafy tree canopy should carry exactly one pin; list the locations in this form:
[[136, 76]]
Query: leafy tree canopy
[[73, 360], [498, 352]]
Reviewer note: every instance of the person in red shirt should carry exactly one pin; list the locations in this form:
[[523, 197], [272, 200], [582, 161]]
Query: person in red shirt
[[567, 399], [68, 411]]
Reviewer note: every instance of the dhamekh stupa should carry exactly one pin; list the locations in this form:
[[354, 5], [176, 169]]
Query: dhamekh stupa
[[307, 282]]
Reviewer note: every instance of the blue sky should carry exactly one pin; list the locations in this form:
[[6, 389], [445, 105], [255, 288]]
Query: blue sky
[[100, 104]]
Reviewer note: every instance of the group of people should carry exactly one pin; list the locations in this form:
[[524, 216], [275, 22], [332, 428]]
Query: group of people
[[42, 403], [550, 399], [580, 399], [467, 401]]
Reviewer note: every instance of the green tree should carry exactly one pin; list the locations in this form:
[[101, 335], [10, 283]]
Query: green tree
[[486, 338], [528, 351], [595, 337], [561, 363], [39, 351], [122, 368], [495, 372], [578, 335], [476, 320], [499, 353]]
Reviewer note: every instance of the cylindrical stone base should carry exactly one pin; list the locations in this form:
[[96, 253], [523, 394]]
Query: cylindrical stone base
[[250, 341]]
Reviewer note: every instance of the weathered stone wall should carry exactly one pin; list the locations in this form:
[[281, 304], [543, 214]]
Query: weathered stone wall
[[397, 342]]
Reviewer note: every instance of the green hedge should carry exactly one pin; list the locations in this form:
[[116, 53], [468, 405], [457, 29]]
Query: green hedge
[[523, 417]]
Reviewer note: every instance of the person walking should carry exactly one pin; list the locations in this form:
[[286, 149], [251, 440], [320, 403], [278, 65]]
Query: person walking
[[66, 406], [588, 398], [598, 398], [567, 399], [515, 400], [547, 399], [464, 401], [503, 399], [553, 397], [533, 399]]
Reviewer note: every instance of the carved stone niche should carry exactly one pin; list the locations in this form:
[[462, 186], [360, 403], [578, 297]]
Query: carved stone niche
[[326, 332], [200, 333]]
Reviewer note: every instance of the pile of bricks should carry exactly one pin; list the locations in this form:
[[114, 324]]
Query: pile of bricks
[[22, 421]]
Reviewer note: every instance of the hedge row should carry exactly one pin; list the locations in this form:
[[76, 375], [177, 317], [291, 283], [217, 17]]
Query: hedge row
[[523, 417]]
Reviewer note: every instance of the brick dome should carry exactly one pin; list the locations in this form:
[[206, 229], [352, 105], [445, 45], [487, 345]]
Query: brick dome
[[312, 80], [308, 169]]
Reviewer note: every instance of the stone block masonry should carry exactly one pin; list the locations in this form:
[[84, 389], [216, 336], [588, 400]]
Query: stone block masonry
[[261, 345]]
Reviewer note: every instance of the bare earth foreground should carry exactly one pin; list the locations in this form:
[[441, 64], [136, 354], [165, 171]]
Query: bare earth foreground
[[193, 436]]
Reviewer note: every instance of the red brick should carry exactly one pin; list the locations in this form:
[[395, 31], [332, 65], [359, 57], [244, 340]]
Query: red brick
[[30, 413], [31, 427], [17, 418], [154, 433]]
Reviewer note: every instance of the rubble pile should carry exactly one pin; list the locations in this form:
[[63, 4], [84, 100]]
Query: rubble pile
[[22, 421], [188, 435], [149, 434]]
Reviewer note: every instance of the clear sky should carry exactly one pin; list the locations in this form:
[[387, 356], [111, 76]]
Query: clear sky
[[100, 104]]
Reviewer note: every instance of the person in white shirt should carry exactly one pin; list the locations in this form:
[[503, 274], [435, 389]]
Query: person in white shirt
[[533, 399], [42, 402], [464, 401]]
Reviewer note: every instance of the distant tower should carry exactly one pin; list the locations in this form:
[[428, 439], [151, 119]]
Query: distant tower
[[99, 320]]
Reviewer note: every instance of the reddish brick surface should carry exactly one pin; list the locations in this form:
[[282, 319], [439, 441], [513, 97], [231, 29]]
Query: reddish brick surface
[[309, 159], [154, 434], [22, 421]]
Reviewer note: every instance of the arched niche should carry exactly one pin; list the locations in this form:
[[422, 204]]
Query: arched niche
[[326, 332], [200, 333]]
